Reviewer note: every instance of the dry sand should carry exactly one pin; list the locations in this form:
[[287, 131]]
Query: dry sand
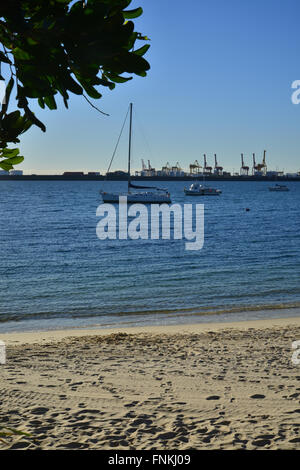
[[213, 386]]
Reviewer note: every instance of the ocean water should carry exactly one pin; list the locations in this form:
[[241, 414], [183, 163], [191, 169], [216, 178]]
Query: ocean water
[[56, 273]]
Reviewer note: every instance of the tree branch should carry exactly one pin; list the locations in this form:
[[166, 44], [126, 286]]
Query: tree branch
[[95, 107]]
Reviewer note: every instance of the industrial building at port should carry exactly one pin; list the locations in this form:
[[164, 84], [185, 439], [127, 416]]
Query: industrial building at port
[[196, 169]]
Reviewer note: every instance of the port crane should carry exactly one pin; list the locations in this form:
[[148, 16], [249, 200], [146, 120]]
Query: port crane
[[151, 170], [218, 169], [195, 167], [166, 169], [260, 167], [263, 166], [254, 167], [176, 168], [147, 170], [244, 168], [206, 169]]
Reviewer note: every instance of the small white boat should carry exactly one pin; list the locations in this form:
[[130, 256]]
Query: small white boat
[[197, 189], [155, 196], [279, 187]]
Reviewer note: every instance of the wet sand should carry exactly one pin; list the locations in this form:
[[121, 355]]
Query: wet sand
[[203, 386]]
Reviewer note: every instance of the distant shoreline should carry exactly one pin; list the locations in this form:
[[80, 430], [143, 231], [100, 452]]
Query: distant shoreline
[[142, 178]]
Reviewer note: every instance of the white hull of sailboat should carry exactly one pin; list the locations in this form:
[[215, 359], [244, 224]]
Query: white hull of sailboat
[[134, 198]]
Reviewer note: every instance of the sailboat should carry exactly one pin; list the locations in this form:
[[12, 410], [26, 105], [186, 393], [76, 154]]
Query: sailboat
[[135, 193]]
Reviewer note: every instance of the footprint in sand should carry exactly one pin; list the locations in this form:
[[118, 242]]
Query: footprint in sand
[[131, 404], [261, 442], [167, 435], [296, 439], [39, 411]]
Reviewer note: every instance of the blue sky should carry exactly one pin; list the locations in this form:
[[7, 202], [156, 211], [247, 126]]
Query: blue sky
[[220, 82]]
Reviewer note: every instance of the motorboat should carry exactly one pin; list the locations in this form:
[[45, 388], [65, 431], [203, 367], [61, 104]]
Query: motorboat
[[279, 187], [197, 189]]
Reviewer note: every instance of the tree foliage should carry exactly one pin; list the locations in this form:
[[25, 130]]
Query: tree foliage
[[60, 47]]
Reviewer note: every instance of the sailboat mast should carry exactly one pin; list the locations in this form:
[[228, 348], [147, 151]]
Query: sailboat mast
[[129, 149]]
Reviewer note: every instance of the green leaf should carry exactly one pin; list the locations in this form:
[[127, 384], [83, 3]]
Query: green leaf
[[14, 160], [91, 91], [50, 102], [10, 120], [142, 50], [73, 86], [25, 124], [129, 14], [41, 103], [117, 78], [23, 103], [5, 166], [20, 54], [32, 42], [104, 82], [10, 153]]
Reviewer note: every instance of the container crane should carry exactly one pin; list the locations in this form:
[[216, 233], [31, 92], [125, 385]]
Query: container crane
[[151, 171], [244, 171], [176, 167], [260, 167], [166, 169], [195, 167], [218, 169], [206, 169], [255, 166]]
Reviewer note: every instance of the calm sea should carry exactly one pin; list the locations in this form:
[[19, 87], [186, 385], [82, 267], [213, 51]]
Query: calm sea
[[56, 273]]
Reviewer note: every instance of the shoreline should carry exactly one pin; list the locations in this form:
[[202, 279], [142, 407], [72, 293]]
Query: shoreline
[[43, 336]]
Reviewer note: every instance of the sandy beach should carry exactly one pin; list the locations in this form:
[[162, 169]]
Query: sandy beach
[[203, 386]]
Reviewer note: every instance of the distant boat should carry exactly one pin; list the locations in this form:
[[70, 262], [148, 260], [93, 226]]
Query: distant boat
[[197, 189], [279, 187], [145, 197], [156, 195]]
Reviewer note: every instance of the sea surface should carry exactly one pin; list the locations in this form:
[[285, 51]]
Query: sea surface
[[56, 273]]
